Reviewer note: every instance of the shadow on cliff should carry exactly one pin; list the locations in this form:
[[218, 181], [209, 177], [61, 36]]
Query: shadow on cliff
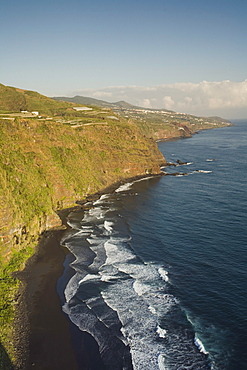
[[5, 362]]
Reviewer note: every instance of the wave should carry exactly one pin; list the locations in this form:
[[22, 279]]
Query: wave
[[203, 171], [200, 345], [124, 303], [124, 187], [161, 332], [163, 273]]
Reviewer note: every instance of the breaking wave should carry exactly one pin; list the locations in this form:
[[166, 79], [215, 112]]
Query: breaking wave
[[124, 303]]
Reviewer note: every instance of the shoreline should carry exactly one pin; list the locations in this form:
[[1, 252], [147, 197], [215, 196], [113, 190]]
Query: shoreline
[[44, 337], [41, 329]]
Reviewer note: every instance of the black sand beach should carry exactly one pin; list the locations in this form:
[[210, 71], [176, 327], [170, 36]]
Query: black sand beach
[[42, 331]]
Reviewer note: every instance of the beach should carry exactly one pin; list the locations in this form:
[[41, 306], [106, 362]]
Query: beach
[[42, 331], [44, 337]]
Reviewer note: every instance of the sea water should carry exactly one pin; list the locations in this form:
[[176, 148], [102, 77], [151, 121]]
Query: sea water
[[160, 265]]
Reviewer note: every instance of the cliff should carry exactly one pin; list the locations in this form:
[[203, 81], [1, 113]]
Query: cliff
[[48, 161], [47, 165]]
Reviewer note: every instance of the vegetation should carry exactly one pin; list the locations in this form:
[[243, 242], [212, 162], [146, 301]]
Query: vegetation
[[16, 100], [8, 290], [47, 163], [50, 160], [158, 124]]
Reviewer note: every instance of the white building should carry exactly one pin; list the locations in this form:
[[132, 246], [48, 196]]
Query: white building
[[82, 108]]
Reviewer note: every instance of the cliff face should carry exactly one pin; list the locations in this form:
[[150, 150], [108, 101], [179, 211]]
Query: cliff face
[[47, 165]]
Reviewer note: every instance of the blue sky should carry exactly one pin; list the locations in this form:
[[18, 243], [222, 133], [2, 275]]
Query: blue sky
[[62, 47]]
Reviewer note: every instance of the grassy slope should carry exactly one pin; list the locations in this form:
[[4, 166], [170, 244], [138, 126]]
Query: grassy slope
[[46, 165], [15, 100]]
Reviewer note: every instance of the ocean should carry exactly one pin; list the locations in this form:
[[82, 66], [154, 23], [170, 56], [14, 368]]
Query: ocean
[[160, 265]]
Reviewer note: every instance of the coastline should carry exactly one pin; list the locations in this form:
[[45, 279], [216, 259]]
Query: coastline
[[43, 335]]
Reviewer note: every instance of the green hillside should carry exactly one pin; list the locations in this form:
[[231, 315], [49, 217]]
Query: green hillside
[[47, 163], [159, 124], [16, 100]]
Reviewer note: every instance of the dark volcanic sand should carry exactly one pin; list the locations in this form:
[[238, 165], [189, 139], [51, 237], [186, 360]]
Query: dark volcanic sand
[[42, 331], [44, 336]]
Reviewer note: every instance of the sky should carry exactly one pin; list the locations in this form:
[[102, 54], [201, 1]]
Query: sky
[[185, 55]]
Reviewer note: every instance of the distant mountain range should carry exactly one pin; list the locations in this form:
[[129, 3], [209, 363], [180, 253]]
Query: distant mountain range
[[156, 123], [84, 100], [102, 103]]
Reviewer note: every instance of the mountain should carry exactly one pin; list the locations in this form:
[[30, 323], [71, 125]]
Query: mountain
[[85, 100], [100, 103]]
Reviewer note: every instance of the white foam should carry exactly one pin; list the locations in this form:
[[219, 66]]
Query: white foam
[[200, 345], [144, 178], [163, 273], [152, 309], [140, 288], [72, 286], [108, 226], [101, 199], [202, 171], [96, 212], [162, 332], [134, 290], [124, 187], [161, 362], [89, 277]]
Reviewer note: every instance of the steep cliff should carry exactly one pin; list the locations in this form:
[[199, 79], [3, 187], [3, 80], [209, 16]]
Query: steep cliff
[[46, 165], [49, 163]]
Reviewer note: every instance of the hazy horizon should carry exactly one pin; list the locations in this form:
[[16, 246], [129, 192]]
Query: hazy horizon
[[185, 56]]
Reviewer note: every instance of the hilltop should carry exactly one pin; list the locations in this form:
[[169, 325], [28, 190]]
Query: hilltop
[[16, 100]]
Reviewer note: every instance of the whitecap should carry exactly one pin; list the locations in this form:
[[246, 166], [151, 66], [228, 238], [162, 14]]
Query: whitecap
[[124, 187], [101, 199], [161, 362], [152, 309], [163, 273], [162, 332], [200, 345], [108, 226], [202, 171]]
